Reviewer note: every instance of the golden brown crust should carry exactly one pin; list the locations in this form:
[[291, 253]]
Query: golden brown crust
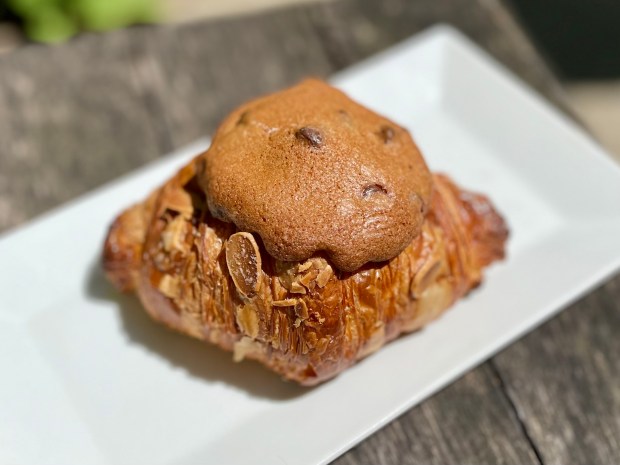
[[309, 170], [306, 320]]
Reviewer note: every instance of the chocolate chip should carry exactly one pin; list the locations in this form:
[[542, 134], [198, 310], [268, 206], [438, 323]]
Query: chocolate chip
[[372, 189], [387, 133], [311, 135]]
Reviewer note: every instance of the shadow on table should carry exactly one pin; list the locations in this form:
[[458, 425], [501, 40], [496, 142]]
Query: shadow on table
[[199, 359]]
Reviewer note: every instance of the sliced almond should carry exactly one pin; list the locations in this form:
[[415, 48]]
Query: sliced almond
[[297, 288], [304, 266], [178, 200], [427, 275], [301, 309], [169, 286], [306, 279], [244, 263], [247, 319], [324, 275], [244, 347], [173, 237], [284, 303]]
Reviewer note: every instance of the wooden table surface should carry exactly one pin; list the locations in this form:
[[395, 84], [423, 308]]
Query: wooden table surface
[[77, 115]]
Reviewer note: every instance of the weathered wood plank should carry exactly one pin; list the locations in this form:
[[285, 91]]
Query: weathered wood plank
[[71, 118], [564, 379], [197, 73], [476, 407]]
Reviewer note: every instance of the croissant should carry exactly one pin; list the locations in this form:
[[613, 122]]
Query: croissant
[[306, 318]]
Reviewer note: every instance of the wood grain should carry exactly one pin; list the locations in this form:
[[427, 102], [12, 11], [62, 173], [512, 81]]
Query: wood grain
[[475, 408], [71, 118], [198, 73], [564, 379], [75, 116]]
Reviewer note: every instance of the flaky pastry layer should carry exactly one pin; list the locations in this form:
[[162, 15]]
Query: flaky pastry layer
[[307, 321]]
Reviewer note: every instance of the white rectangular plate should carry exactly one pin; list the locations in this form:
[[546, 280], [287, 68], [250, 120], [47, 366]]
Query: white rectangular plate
[[87, 378]]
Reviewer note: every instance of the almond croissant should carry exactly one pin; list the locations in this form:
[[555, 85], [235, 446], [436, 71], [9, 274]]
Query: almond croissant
[[196, 270], [305, 320]]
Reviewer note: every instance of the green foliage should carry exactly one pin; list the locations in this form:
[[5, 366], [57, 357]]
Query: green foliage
[[57, 20]]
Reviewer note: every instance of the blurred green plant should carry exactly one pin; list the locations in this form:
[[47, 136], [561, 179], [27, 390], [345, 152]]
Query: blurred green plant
[[57, 20]]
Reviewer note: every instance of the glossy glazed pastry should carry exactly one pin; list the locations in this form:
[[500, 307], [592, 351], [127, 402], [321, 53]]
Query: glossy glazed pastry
[[308, 235]]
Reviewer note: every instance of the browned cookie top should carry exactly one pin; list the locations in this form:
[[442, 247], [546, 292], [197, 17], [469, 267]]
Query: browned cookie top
[[310, 170]]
